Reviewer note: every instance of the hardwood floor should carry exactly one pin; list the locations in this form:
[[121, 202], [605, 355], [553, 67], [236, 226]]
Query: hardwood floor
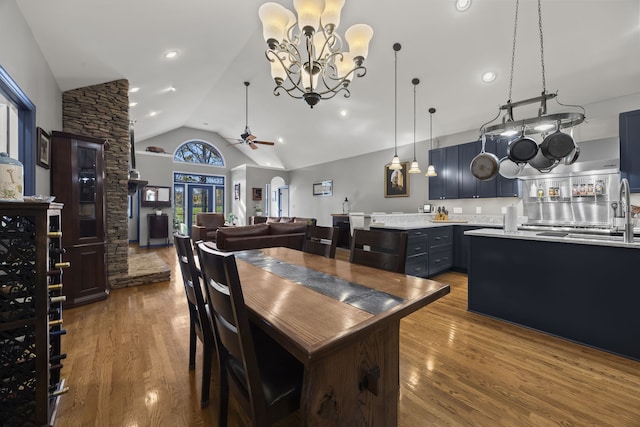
[[127, 366]]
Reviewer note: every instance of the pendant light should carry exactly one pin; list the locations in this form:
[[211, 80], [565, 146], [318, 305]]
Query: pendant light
[[395, 163], [431, 170], [415, 168]]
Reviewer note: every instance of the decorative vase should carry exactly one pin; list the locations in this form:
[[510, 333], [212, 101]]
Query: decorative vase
[[11, 179]]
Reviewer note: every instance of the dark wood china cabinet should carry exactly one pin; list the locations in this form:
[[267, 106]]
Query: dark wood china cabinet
[[77, 180]]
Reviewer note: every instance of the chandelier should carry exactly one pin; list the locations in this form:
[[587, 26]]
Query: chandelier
[[306, 54], [544, 121]]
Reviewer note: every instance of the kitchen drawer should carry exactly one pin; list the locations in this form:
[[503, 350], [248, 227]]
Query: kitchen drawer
[[440, 236], [417, 265], [440, 259], [417, 245]]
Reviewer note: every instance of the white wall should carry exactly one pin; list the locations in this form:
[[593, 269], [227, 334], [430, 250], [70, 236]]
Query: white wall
[[158, 170], [21, 57], [361, 178]]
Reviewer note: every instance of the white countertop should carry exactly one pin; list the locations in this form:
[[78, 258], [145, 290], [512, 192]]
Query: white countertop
[[570, 238]]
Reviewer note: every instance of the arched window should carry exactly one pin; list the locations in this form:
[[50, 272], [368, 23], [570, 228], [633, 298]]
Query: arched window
[[198, 152]]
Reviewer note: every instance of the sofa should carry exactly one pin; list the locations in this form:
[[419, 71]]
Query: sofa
[[206, 226], [265, 235], [284, 219]]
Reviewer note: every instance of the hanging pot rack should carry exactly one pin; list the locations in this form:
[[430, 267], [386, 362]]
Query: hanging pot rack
[[528, 126], [532, 125]]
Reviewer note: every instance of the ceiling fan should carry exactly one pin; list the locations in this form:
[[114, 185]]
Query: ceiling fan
[[247, 137]]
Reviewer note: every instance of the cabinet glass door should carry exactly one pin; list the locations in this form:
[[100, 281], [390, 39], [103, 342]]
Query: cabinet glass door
[[87, 174]]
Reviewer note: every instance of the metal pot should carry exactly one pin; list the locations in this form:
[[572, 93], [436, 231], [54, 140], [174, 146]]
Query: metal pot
[[571, 158], [558, 145], [510, 169], [485, 166], [542, 163], [522, 149]]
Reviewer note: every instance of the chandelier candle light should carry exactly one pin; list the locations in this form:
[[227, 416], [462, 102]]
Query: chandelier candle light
[[308, 62], [415, 167]]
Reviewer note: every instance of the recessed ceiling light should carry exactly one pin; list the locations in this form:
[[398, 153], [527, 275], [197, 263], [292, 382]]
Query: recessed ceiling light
[[171, 89], [462, 5], [134, 89], [488, 77], [344, 113], [153, 113], [133, 104], [280, 140], [171, 54]]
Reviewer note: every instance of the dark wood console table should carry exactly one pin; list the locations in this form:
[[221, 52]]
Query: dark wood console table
[[158, 227], [344, 230]]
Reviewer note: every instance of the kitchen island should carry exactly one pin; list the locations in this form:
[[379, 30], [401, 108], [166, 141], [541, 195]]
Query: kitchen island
[[584, 288]]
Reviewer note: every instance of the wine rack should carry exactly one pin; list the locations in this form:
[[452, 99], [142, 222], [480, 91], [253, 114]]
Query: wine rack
[[31, 321]]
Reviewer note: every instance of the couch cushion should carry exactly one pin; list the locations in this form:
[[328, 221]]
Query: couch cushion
[[244, 230], [287, 228], [210, 220]]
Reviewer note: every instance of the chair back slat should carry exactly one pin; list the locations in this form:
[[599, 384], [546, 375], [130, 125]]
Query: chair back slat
[[321, 240], [386, 250]]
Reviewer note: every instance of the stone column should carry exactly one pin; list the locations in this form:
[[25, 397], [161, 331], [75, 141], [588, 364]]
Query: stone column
[[102, 111]]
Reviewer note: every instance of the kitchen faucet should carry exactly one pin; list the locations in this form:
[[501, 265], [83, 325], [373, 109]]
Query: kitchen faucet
[[625, 209]]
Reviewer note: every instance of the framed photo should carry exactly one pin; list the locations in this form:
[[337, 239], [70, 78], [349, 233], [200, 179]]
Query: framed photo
[[323, 188], [43, 146], [236, 192], [396, 182], [257, 193]]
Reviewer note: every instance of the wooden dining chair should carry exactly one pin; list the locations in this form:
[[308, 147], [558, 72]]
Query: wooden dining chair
[[321, 240], [265, 379], [200, 326], [386, 250]]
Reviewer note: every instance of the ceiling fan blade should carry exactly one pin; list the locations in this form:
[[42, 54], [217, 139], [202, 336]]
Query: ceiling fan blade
[[263, 142], [250, 137], [252, 145]]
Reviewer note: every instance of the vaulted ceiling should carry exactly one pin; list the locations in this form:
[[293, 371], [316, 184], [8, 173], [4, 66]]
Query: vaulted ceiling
[[591, 53]]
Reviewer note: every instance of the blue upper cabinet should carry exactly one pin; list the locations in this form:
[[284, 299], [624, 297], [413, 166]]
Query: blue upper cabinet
[[469, 186], [630, 148], [445, 185]]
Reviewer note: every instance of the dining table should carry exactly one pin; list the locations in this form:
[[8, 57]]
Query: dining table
[[341, 320]]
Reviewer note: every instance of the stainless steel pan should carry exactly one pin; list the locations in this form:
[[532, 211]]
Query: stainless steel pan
[[485, 166]]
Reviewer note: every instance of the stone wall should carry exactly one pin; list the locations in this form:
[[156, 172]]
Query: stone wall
[[102, 111]]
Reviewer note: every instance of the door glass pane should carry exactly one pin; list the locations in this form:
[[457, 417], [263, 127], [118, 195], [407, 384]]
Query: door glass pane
[[219, 199], [178, 210], [200, 200], [87, 178]]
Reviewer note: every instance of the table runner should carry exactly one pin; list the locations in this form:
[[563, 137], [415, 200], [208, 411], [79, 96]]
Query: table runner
[[354, 294]]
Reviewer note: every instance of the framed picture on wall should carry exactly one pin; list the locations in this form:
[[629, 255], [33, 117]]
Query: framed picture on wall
[[236, 192], [257, 193], [323, 188], [43, 149], [396, 182]]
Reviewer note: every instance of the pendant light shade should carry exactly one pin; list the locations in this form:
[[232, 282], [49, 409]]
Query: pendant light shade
[[415, 168], [431, 170], [395, 163]]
